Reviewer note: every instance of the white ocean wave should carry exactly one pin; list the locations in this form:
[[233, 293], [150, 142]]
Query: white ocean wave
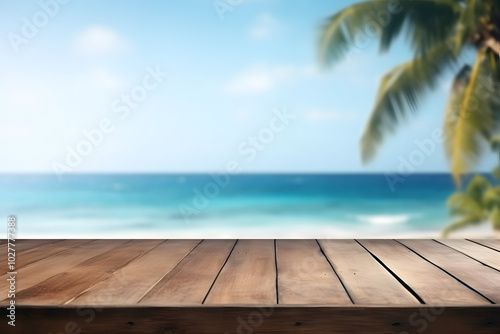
[[384, 219]]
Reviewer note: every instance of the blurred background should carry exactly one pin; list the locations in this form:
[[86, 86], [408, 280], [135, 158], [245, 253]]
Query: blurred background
[[180, 119]]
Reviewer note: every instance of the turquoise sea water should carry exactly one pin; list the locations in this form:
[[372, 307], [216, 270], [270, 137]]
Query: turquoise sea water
[[242, 206]]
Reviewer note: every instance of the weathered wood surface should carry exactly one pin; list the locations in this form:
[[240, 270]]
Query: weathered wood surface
[[365, 279], [252, 319], [430, 283], [259, 286], [249, 276], [475, 251], [191, 279], [470, 272], [141, 274], [491, 243], [305, 276]]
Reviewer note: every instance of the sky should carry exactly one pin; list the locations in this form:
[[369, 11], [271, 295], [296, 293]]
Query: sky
[[192, 86]]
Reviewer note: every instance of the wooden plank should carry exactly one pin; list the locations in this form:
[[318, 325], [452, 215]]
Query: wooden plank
[[430, 283], [191, 279], [483, 279], [479, 252], [141, 274], [492, 243], [22, 245], [45, 251], [366, 280], [27, 244], [249, 276], [66, 286], [305, 276], [39, 271], [280, 319]]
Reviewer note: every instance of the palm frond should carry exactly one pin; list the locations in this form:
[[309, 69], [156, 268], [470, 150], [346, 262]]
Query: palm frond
[[477, 187], [496, 172], [460, 224], [463, 204], [400, 91], [470, 118], [495, 143], [427, 22], [468, 22], [457, 91], [495, 65], [495, 218], [492, 198], [424, 30]]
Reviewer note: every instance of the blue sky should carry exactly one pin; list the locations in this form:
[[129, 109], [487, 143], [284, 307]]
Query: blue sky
[[226, 79]]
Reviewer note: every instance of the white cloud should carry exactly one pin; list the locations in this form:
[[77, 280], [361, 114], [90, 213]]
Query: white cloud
[[22, 91], [318, 115], [259, 79], [103, 80], [43, 111], [264, 78], [98, 40], [265, 27], [242, 115]]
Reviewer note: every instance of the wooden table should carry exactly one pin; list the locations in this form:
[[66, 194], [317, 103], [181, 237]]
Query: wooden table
[[254, 286]]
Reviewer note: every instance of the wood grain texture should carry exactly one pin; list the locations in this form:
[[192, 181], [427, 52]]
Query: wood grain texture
[[22, 245], [366, 280], [305, 276], [267, 319], [27, 244], [430, 283], [492, 243], [249, 276], [141, 274], [481, 278], [481, 253], [37, 272], [46, 250], [191, 279], [65, 286], [164, 274]]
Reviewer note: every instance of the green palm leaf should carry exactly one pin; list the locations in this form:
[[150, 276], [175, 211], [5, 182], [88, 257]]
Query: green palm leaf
[[427, 30], [460, 224], [492, 198], [470, 118], [439, 31], [468, 22], [427, 22], [495, 218], [463, 204], [495, 143], [496, 172], [399, 93], [477, 188]]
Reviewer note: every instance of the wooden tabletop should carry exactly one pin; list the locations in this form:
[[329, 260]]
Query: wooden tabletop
[[315, 272], [342, 274]]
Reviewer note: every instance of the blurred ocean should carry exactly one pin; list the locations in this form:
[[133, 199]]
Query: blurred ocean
[[243, 206]]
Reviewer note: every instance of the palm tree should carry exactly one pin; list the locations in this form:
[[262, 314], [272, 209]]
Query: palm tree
[[479, 203], [442, 33], [495, 145]]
